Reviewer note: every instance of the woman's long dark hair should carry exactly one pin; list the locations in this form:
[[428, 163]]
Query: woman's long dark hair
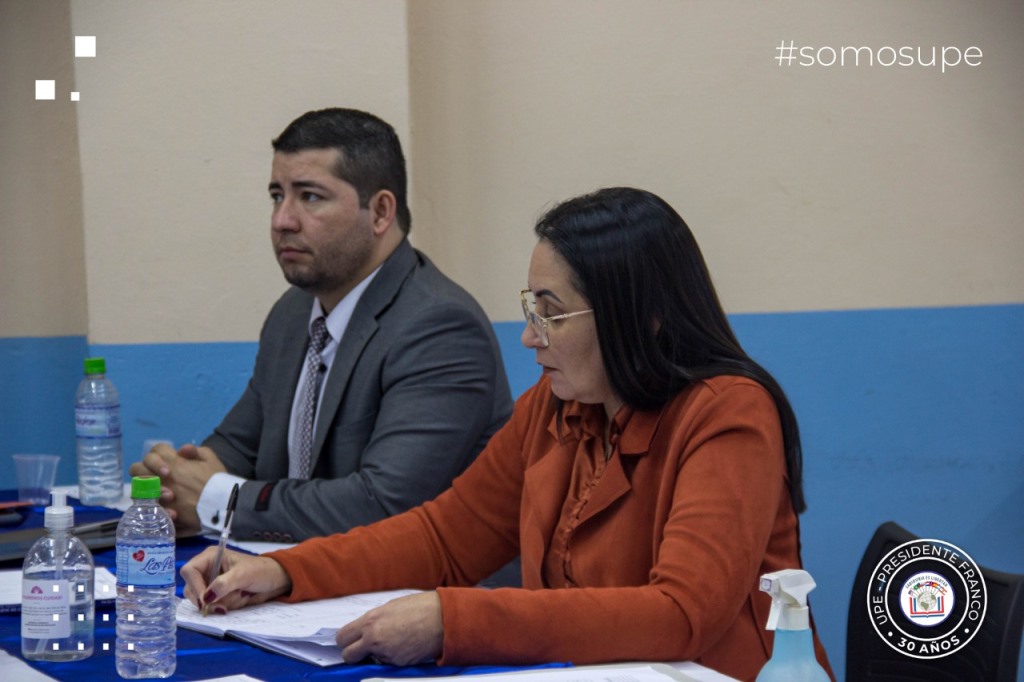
[[659, 323]]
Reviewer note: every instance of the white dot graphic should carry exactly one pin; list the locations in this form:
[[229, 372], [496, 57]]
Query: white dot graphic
[[46, 89], [85, 46]]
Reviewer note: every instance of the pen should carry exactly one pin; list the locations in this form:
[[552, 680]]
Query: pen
[[215, 567], [14, 505]]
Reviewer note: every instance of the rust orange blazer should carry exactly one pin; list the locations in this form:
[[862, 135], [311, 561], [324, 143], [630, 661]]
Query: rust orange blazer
[[652, 556]]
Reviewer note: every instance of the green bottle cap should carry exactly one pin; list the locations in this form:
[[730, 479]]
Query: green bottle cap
[[95, 366], [145, 487]]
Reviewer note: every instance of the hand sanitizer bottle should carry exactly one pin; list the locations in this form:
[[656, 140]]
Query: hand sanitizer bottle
[[57, 600], [793, 657]]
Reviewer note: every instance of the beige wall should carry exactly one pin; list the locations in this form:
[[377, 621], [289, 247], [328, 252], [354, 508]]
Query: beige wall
[[42, 264], [176, 117], [809, 188]]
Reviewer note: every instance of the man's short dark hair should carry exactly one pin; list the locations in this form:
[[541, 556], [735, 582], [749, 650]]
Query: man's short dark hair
[[370, 156]]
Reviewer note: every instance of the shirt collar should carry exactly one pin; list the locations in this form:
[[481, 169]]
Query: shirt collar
[[636, 428], [339, 318]]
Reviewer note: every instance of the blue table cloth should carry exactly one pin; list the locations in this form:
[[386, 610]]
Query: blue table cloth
[[199, 656]]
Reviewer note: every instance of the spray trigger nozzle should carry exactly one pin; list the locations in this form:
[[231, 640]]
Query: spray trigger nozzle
[[788, 589]]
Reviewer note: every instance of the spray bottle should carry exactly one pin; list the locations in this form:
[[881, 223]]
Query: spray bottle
[[793, 657], [57, 599]]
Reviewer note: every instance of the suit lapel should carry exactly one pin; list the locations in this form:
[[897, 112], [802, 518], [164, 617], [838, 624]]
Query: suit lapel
[[612, 486], [289, 359], [545, 483], [361, 328]]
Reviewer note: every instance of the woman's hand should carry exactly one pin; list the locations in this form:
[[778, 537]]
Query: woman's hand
[[244, 579], [405, 631]]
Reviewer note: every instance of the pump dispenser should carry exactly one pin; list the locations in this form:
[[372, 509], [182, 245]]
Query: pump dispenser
[[58, 516], [57, 599], [793, 658]]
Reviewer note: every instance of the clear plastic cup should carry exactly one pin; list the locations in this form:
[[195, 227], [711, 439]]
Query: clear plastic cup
[[35, 477]]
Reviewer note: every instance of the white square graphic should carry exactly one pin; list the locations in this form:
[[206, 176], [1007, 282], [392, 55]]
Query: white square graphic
[[74, 96], [85, 46], [46, 89], [106, 646]]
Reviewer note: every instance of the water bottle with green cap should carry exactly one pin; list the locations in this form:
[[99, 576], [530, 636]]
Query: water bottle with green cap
[[98, 436], [146, 637]]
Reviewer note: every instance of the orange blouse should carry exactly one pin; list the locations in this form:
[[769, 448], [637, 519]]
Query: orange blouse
[[652, 555]]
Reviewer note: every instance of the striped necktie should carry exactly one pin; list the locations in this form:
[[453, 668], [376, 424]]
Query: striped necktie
[[310, 393]]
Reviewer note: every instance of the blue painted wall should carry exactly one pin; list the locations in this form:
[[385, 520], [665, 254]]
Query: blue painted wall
[[38, 378], [913, 415]]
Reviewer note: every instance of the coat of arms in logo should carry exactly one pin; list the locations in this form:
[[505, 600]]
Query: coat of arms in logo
[[927, 599]]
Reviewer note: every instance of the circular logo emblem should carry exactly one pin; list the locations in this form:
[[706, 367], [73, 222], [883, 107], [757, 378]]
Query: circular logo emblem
[[927, 598]]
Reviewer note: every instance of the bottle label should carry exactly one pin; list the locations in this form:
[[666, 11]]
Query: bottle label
[[145, 565], [45, 609], [98, 422]]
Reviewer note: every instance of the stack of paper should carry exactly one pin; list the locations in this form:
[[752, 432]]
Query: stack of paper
[[304, 631]]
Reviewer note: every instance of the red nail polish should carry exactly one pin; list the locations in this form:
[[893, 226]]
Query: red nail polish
[[210, 596]]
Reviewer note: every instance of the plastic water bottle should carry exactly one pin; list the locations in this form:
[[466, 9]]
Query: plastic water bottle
[[146, 629], [57, 599], [98, 431]]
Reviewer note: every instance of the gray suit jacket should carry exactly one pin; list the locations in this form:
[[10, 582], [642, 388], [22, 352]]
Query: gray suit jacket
[[416, 390]]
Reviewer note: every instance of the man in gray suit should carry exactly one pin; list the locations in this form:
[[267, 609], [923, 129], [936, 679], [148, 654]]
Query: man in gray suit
[[406, 389]]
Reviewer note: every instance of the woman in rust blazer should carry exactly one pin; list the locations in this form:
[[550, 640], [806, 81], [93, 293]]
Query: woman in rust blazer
[[647, 480]]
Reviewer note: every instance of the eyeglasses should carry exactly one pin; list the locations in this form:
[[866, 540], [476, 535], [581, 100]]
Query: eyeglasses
[[540, 324]]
